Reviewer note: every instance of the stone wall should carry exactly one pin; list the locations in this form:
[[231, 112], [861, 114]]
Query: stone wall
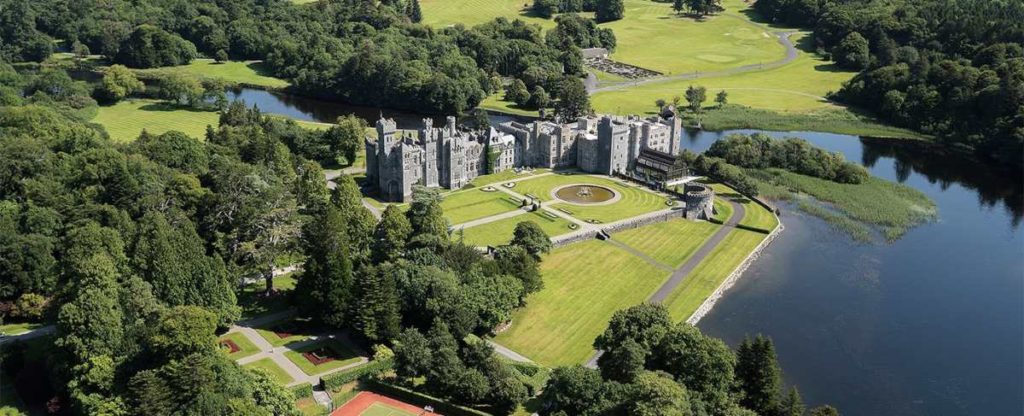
[[645, 220]]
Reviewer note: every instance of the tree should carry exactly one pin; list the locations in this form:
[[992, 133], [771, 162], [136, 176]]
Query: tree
[[391, 235], [360, 222], [623, 362], [660, 103], [539, 99], [80, 50], [791, 405], [653, 394], [704, 365], [311, 187], [516, 261], [722, 98], [573, 101], [679, 5], [577, 390], [758, 375], [531, 238], [179, 88], [426, 215], [516, 92], [324, 290], [150, 46], [852, 52], [182, 331], [345, 139], [375, 311], [609, 10], [545, 8], [696, 96], [704, 7], [270, 395], [480, 119], [414, 12], [221, 56], [413, 356], [825, 410]]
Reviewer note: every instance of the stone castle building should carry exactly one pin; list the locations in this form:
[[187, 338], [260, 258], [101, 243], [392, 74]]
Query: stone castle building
[[449, 157]]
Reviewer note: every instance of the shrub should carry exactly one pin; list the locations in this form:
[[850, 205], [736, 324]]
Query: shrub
[[302, 391], [372, 368]]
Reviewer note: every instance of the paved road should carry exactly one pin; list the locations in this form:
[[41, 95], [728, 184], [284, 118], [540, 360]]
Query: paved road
[[783, 38]]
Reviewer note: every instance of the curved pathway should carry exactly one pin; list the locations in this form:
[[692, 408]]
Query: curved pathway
[[783, 38]]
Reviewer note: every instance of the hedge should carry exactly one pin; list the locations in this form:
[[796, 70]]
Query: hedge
[[302, 391], [420, 399], [333, 381]]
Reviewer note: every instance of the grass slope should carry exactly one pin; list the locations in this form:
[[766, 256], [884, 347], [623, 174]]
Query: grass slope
[[236, 72], [276, 372], [755, 215], [670, 242], [500, 232], [711, 272], [584, 284]]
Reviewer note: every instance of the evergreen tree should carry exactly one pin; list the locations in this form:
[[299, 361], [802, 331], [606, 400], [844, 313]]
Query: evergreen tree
[[758, 374], [792, 404], [391, 235], [360, 222], [324, 291], [414, 12], [426, 215], [539, 99], [375, 311], [311, 188], [825, 410]]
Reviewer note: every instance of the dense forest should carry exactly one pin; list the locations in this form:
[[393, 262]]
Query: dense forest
[[953, 69], [364, 52]]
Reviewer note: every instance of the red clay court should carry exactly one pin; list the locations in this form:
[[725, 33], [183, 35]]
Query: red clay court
[[373, 404]]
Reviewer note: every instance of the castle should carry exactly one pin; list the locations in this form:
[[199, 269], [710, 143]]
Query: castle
[[449, 157]]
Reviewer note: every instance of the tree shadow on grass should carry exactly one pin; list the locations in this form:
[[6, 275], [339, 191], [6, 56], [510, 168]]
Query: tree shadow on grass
[[260, 69], [170, 107]]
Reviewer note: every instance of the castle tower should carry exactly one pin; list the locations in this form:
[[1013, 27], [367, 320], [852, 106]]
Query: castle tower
[[386, 129], [674, 134], [431, 165]]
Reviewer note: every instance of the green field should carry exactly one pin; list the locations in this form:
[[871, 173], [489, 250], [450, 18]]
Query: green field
[[500, 232], [635, 201], [441, 13], [236, 72], [246, 347], [584, 284], [126, 119], [276, 372], [504, 176], [834, 120], [342, 354], [18, 327], [671, 242], [711, 272], [296, 329], [723, 210], [472, 204]]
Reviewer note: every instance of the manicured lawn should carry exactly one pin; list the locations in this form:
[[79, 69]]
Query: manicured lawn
[[246, 347], [710, 273], [723, 210], [584, 284], [635, 201], [472, 204], [441, 13], [798, 86], [297, 329], [504, 176], [276, 372], [241, 72], [126, 119], [652, 36], [342, 354], [670, 242], [500, 232], [755, 215]]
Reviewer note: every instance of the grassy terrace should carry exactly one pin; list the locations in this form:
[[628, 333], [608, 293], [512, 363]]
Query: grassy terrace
[[584, 284], [295, 332], [711, 272], [500, 232], [504, 176], [671, 242], [635, 201], [246, 347], [342, 355], [237, 72], [276, 372], [472, 204], [723, 210]]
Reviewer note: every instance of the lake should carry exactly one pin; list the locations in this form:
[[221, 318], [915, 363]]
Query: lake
[[932, 324]]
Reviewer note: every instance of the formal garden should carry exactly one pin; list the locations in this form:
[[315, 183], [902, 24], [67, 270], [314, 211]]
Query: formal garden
[[323, 355], [500, 232]]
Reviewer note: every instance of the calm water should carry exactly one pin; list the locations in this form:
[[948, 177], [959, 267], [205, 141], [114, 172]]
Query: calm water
[[932, 324]]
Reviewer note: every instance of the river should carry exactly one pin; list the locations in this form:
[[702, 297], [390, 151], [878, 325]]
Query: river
[[931, 324]]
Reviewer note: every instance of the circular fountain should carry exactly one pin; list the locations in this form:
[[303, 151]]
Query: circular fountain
[[585, 194]]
